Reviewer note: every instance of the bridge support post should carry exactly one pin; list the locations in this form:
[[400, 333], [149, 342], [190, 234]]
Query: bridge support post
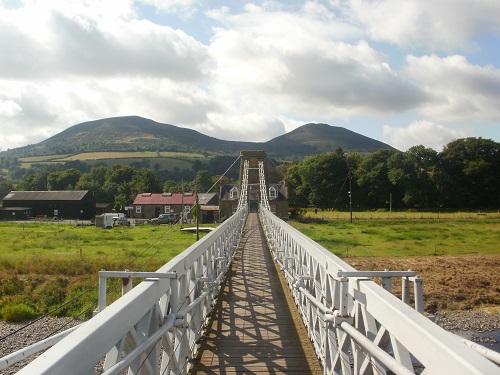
[[419, 294], [405, 290], [101, 305], [387, 282], [126, 284], [344, 295]]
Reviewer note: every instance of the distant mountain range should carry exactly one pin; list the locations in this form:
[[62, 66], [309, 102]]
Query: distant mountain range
[[134, 133]]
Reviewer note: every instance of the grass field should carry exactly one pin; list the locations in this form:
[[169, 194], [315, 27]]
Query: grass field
[[165, 160], [127, 155], [43, 265], [458, 256], [397, 237]]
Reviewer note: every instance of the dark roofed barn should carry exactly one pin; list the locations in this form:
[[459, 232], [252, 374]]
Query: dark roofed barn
[[70, 204]]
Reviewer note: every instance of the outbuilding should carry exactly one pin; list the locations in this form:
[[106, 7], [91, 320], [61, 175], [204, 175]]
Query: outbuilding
[[68, 204]]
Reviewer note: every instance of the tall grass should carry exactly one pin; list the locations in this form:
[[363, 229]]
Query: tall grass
[[383, 238], [44, 265]]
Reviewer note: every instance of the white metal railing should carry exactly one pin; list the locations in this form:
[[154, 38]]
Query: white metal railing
[[154, 327], [358, 327]]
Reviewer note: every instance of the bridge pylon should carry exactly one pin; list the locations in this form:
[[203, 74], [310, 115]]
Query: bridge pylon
[[253, 169]]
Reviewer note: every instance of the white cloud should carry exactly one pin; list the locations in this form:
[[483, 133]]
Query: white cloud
[[255, 127], [9, 108], [185, 9], [423, 132], [63, 41], [443, 25], [460, 91], [268, 66]]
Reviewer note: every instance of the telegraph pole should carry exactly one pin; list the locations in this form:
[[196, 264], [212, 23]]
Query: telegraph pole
[[350, 196], [197, 208]]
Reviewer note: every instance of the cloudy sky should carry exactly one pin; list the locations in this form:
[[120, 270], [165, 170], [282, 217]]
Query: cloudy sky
[[405, 72]]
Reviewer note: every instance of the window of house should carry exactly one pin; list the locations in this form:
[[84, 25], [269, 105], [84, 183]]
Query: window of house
[[273, 208], [138, 209], [187, 209], [167, 209], [273, 192], [234, 208], [233, 193]]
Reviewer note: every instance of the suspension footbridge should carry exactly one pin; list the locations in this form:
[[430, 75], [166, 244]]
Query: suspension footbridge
[[255, 296]]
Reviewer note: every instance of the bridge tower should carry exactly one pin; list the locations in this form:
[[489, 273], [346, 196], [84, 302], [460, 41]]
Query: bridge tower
[[254, 181]]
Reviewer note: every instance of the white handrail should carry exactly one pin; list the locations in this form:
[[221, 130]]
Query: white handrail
[[312, 273], [137, 320]]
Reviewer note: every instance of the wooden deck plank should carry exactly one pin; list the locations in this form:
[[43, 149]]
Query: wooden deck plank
[[252, 330]]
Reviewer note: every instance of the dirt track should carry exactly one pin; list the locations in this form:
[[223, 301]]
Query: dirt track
[[469, 282]]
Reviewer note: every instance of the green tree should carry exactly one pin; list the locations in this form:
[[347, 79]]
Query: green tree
[[171, 186], [34, 182], [202, 182], [327, 177], [95, 181], [6, 185], [65, 180], [471, 173], [298, 189], [415, 171], [144, 180], [373, 179]]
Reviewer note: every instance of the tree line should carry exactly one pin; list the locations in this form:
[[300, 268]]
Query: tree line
[[117, 184], [465, 175]]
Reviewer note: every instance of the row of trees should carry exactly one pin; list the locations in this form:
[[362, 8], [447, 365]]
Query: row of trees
[[118, 184], [466, 174]]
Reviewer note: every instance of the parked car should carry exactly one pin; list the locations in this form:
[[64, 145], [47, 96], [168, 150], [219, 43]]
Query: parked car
[[165, 219]]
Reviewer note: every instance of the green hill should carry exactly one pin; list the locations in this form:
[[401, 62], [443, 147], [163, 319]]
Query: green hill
[[134, 133]]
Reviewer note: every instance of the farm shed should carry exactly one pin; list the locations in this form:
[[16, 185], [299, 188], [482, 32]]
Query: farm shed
[[151, 205], [70, 204]]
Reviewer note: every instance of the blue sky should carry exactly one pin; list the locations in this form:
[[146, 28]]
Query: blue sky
[[404, 72]]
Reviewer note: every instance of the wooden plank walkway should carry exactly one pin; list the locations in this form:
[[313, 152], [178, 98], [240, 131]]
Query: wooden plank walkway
[[253, 330]]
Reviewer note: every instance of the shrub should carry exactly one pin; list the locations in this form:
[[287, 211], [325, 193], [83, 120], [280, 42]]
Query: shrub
[[17, 313], [10, 286]]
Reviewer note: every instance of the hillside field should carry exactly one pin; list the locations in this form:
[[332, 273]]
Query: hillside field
[[164, 160]]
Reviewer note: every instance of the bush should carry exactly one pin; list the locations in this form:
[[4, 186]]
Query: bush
[[17, 313], [297, 213]]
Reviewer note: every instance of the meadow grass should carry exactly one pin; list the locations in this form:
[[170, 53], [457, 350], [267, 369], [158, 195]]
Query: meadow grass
[[43, 265], [396, 237]]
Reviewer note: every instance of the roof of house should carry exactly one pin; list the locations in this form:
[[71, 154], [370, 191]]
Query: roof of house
[[164, 198], [282, 191], [56, 195]]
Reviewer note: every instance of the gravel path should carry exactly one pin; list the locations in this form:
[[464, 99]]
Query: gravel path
[[462, 321]]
